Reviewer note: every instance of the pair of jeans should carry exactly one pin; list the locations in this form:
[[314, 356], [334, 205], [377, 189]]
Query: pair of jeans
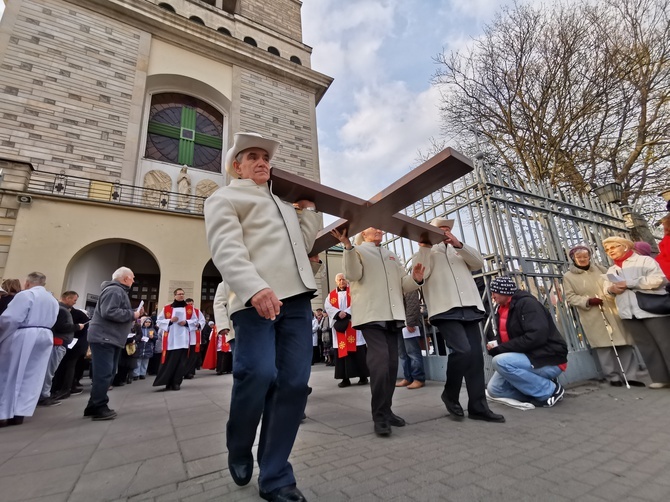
[[104, 361], [57, 354], [516, 378], [141, 367], [271, 369], [411, 359]]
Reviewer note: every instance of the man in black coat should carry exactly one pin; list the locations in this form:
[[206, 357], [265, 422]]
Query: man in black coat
[[528, 351]]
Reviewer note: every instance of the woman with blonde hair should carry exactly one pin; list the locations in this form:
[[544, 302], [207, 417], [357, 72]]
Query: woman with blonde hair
[[633, 273]]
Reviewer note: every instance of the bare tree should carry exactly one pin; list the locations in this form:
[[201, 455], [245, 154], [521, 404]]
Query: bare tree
[[575, 95]]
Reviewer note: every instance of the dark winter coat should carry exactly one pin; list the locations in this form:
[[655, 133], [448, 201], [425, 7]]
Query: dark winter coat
[[145, 350], [531, 331], [64, 327], [113, 316]]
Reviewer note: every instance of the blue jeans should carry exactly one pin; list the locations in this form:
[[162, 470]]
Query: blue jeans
[[104, 361], [516, 378], [141, 367], [411, 359], [271, 368]]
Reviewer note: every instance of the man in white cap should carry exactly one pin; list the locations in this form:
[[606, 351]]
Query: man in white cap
[[455, 309], [259, 244], [528, 351]]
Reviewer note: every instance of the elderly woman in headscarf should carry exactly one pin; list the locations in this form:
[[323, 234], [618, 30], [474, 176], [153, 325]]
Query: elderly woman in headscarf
[[583, 287], [632, 272]]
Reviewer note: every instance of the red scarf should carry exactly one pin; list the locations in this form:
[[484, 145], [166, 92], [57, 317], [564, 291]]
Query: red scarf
[[619, 262], [346, 342], [167, 312]]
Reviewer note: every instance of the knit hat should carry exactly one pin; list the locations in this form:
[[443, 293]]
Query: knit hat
[[503, 286], [581, 247], [643, 248]]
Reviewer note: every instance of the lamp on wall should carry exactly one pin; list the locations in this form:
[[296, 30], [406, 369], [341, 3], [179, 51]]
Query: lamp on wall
[[609, 193]]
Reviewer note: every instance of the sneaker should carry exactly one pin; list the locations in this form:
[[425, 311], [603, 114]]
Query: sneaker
[[75, 391], [48, 401], [659, 385], [553, 399]]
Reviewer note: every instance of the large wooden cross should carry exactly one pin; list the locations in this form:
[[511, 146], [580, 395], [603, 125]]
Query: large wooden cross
[[381, 211]]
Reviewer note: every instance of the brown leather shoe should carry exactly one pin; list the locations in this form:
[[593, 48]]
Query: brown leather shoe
[[402, 383], [416, 384]]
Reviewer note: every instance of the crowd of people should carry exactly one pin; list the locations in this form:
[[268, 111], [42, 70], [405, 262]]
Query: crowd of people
[[378, 317]]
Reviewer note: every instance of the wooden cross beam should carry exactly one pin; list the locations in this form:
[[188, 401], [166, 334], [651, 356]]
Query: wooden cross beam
[[381, 211]]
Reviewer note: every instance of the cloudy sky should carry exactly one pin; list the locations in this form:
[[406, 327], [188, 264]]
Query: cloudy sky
[[381, 108]]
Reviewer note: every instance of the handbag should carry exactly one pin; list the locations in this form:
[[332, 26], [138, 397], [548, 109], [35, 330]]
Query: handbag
[[654, 304], [131, 348]]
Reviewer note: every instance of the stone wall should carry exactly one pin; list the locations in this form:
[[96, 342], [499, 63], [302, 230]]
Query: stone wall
[[13, 179], [285, 112], [280, 15], [66, 88]]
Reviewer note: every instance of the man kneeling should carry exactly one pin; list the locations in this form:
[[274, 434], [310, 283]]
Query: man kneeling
[[528, 351]]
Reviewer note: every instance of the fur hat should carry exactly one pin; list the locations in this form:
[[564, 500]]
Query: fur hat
[[627, 243], [244, 141], [442, 222], [503, 285]]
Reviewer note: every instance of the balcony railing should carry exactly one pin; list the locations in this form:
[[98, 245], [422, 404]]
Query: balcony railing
[[106, 192]]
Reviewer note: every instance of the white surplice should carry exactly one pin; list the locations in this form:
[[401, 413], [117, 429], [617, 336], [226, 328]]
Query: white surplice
[[178, 336], [25, 347]]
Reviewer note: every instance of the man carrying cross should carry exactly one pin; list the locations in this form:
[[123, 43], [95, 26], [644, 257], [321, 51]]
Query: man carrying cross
[[259, 244]]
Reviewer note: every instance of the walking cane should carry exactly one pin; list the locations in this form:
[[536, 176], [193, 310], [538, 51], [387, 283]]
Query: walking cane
[[609, 330]]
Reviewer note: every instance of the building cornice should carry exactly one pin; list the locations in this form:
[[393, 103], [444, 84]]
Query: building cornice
[[181, 32]]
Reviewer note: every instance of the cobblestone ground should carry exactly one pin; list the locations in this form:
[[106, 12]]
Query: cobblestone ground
[[600, 444]]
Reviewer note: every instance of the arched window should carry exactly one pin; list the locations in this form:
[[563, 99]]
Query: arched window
[[250, 41], [273, 50], [185, 130], [225, 31], [295, 59], [197, 20], [167, 7]]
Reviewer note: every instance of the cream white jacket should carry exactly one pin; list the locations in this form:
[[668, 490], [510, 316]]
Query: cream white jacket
[[258, 241], [448, 278], [378, 282]]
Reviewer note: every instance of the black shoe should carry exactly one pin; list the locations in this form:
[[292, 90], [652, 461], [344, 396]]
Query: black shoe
[[616, 383], [636, 383], [60, 396], [88, 412], [344, 383], [363, 381], [288, 493], [75, 391], [486, 416], [241, 471], [104, 415], [553, 399], [396, 421], [382, 429], [49, 401], [135, 379], [15, 420], [454, 408], [142, 377], [309, 390], [176, 386], [188, 377]]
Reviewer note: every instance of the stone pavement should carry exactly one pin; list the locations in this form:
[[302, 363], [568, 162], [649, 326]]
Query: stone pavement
[[599, 444]]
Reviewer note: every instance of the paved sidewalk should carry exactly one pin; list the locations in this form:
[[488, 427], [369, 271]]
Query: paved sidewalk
[[600, 444]]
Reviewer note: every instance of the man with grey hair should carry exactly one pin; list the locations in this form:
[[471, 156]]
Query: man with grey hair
[[25, 347], [259, 244], [112, 321]]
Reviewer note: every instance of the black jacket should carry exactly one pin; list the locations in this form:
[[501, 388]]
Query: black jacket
[[532, 331], [64, 327]]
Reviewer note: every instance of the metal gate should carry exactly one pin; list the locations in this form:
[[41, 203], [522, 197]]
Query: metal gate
[[523, 229]]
